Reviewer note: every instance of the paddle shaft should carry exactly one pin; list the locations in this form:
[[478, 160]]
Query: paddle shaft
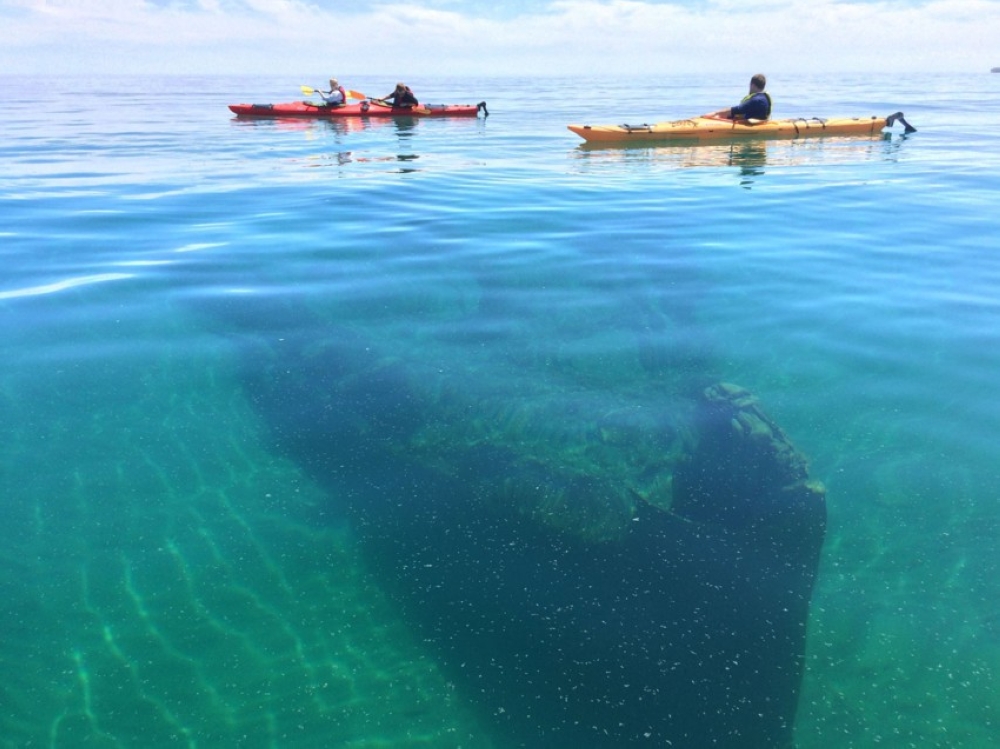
[[351, 94]]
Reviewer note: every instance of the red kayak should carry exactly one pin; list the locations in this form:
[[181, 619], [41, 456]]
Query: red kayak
[[363, 109]]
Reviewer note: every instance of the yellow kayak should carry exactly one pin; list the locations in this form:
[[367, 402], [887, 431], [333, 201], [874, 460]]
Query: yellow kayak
[[712, 128]]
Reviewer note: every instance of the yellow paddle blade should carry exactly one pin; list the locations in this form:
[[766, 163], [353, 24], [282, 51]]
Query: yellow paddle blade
[[308, 91], [352, 94]]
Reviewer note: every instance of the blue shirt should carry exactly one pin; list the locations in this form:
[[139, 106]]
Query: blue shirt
[[753, 107]]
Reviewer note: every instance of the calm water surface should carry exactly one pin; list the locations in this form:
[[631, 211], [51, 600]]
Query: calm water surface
[[172, 576]]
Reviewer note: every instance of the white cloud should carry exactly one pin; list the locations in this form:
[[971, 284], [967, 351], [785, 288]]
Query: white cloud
[[584, 37]]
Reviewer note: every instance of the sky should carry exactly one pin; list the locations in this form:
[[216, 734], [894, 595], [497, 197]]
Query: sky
[[497, 37]]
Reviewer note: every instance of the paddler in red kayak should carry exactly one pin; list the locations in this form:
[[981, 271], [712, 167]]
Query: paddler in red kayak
[[336, 96], [402, 96]]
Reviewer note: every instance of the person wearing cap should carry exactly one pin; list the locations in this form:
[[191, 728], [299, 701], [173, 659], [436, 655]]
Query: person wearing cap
[[402, 96], [756, 105], [336, 96]]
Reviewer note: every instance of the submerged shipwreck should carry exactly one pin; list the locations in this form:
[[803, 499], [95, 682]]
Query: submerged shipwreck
[[602, 577]]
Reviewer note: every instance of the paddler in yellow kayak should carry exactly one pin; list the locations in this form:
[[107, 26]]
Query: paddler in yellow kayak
[[756, 105]]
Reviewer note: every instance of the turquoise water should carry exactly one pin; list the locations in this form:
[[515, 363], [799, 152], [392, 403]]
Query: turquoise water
[[179, 566]]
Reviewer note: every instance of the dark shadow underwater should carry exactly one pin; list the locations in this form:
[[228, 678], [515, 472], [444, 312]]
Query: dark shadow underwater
[[680, 621]]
